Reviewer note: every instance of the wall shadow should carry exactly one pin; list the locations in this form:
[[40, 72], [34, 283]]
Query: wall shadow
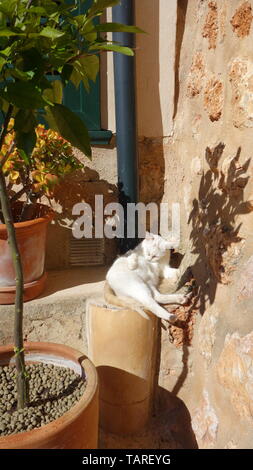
[[214, 234], [215, 230], [181, 18]]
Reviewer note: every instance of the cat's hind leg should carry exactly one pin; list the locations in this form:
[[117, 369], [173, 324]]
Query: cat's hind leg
[[159, 311], [144, 296], [169, 298], [132, 286]]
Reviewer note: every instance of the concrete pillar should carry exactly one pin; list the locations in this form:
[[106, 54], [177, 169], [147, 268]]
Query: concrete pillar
[[122, 344]]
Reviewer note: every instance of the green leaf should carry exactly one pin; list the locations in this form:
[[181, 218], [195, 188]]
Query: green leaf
[[117, 27], [2, 20], [55, 94], [24, 157], [90, 66], [20, 75], [44, 83], [32, 59], [51, 33], [4, 105], [38, 10], [26, 143], [7, 51], [85, 69], [24, 121], [8, 7], [2, 63], [86, 28], [99, 5], [24, 126], [112, 47], [24, 95], [76, 78], [69, 126], [9, 32], [66, 73]]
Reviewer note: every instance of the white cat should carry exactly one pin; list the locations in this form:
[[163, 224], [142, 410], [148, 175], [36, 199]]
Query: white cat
[[137, 275]]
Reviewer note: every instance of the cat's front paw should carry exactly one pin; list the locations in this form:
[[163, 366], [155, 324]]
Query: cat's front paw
[[185, 298], [172, 318]]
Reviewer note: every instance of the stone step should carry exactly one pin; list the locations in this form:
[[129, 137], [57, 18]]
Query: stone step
[[58, 315]]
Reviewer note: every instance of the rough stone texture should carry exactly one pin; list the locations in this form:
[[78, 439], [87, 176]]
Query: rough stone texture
[[196, 75], [223, 20], [210, 29], [237, 358], [213, 99], [242, 19], [151, 169], [245, 283], [208, 169], [207, 334], [241, 79], [205, 423]]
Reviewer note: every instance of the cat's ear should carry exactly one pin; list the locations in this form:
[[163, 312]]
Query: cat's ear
[[169, 245], [172, 242], [149, 236]]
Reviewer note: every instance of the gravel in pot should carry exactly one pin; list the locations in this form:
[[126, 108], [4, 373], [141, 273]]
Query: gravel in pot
[[53, 391]]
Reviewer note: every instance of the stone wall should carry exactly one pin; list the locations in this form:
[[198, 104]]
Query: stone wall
[[208, 168]]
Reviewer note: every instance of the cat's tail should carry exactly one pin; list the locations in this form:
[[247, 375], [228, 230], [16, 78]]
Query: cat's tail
[[122, 301], [131, 303]]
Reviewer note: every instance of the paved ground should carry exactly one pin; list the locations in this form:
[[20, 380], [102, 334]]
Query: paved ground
[[169, 428], [58, 315]]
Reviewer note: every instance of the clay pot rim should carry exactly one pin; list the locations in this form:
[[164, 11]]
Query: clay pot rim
[[27, 285], [46, 218], [48, 430]]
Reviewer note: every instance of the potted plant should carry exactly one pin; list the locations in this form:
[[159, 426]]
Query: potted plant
[[29, 179], [39, 37]]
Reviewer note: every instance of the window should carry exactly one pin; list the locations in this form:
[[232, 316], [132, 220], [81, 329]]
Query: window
[[87, 105]]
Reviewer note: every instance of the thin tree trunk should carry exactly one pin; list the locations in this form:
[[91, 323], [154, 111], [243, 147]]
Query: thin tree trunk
[[22, 380]]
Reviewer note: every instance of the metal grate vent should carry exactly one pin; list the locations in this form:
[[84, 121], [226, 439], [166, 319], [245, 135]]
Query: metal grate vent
[[87, 251]]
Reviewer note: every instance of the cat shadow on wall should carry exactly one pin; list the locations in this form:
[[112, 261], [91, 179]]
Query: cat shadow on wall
[[215, 231]]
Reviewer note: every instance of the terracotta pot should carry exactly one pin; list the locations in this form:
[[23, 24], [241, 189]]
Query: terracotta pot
[[31, 237], [78, 427], [123, 346]]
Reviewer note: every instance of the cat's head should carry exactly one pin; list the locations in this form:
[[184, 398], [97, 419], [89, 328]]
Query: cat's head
[[155, 247]]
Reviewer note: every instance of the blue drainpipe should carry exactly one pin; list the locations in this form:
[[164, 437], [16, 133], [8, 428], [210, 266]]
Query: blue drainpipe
[[126, 133]]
